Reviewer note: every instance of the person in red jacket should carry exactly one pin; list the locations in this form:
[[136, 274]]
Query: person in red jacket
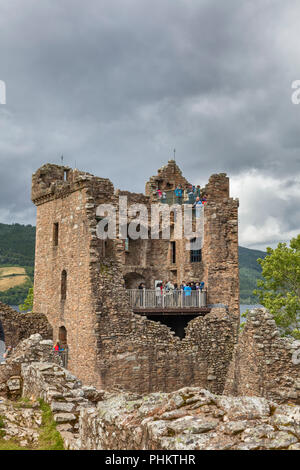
[[57, 347]]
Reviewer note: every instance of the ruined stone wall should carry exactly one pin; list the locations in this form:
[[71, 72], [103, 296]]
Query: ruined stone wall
[[32, 349], [18, 326], [220, 254], [217, 187], [141, 355], [265, 364], [191, 418]]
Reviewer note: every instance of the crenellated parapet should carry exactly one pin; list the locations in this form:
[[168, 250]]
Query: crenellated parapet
[[55, 181]]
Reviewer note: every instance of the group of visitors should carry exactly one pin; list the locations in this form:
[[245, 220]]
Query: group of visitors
[[173, 295], [190, 195], [170, 294], [168, 286]]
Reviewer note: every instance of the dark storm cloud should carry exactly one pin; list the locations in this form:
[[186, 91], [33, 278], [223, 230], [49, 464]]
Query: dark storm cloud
[[116, 85]]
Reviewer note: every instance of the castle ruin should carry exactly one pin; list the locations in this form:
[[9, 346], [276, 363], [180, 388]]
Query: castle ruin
[[82, 284]]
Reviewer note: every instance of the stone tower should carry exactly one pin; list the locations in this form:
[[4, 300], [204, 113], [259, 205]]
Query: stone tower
[[80, 284]]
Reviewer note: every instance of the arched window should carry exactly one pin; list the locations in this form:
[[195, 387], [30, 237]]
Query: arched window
[[63, 285]]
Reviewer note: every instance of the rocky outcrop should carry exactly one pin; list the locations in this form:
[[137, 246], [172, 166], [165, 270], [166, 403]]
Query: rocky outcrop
[[32, 350], [20, 422], [191, 418], [63, 392]]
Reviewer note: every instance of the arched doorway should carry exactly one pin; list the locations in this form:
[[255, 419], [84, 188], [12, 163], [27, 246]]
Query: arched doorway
[[62, 336], [133, 280]]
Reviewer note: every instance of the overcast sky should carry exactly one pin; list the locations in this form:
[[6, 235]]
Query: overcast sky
[[115, 85]]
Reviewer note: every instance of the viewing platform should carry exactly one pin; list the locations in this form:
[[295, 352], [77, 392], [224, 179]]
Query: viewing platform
[[171, 198], [173, 302]]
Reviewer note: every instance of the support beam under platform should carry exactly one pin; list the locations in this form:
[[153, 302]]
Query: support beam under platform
[[197, 311]]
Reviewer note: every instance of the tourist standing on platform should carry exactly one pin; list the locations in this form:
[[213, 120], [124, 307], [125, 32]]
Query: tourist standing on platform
[[178, 193]]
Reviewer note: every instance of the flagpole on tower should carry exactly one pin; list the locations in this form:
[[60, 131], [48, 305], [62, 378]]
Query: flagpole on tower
[[174, 155]]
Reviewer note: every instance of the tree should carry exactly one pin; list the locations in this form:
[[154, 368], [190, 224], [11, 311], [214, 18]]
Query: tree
[[28, 303], [279, 290]]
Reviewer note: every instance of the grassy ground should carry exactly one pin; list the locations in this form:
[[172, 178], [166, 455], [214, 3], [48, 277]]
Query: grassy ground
[[50, 439], [11, 277]]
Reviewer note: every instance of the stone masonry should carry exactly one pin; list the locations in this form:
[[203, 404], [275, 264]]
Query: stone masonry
[[265, 364], [18, 326], [80, 284], [191, 418]]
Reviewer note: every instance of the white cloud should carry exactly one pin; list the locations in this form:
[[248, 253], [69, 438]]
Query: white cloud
[[266, 204]]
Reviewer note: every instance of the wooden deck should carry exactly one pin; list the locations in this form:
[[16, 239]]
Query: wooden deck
[[195, 311]]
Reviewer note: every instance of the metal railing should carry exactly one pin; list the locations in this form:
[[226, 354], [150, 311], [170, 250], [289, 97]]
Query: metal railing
[[63, 356], [154, 298], [171, 198]]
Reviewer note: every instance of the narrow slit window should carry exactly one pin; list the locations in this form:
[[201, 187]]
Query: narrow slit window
[[55, 233], [63, 285], [173, 252]]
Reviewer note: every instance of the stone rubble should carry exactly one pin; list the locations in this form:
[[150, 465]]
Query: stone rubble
[[21, 422], [191, 418]]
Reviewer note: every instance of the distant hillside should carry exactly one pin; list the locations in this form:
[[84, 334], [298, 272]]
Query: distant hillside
[[250, 271], [17, 244]]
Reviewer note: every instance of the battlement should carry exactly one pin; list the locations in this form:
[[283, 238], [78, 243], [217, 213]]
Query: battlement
[[55, 181]]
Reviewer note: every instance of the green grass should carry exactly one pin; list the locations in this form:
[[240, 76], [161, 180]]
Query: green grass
[[10, 445], [49, 439], [23, 402], [2, 432]]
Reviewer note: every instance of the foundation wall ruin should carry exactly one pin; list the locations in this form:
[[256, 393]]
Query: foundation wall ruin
[[264, 363]]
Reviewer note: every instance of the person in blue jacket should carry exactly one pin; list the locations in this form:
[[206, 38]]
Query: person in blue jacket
[[178, 193], [187, 294]]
